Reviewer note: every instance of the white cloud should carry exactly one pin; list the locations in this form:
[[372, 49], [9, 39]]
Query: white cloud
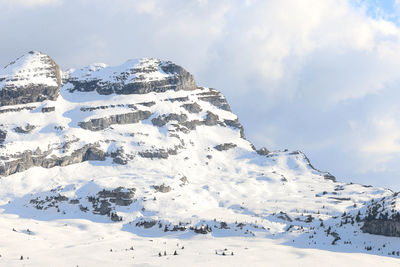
[[147, 7], [378, 135], [274, 40], [376, 140], [28, 3]]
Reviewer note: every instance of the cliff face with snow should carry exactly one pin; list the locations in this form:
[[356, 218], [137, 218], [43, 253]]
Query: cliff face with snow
[[33, 77], [143, 147]]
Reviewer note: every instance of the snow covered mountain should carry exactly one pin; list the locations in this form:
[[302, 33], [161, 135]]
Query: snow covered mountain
[[140, 152]]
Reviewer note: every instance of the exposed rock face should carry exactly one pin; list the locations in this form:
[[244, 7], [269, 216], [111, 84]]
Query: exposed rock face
[[34, 77], [383, 217], [382, 227], [24, 130], [103, 123], [215, 98], [29, 159], [3, 135], [158, 153], [263, 151], [162, 188], [162, 120], [329, 176], [48, 109], [226, 146], [134, 77], [235, 124], [211, 119], [120, 196], [103, 202], [7, 110], [92, 153], [192, 108]]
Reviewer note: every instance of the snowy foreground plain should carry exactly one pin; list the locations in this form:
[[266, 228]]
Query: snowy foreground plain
[[96, 177], [84, 243], [76, 239]]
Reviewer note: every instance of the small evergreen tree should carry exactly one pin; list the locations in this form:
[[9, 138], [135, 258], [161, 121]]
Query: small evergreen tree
[[358, 218]]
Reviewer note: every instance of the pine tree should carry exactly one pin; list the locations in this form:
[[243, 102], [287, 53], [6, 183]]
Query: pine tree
[[328, 231], [358, 218]]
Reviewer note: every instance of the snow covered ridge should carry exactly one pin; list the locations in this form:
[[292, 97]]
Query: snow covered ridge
[[133, 77], [141, 149], [31, 78], [35, 77], [157, 95]]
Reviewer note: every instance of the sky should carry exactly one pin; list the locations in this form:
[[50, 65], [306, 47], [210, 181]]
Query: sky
[[318, 76]]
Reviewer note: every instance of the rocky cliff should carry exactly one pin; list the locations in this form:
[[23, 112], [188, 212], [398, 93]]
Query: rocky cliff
[[34, 77], [143, 146], [74, 112]]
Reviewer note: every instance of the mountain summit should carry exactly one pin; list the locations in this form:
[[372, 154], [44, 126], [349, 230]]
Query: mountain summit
[[33, 77], [143, 148]]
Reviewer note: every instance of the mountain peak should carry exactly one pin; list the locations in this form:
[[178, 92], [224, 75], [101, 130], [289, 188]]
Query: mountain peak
[[135, 76], [32, 77]]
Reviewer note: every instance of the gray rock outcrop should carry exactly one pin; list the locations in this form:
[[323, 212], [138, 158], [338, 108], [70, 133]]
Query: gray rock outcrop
[[162, 188], [162, 120], [177, 78], [48, 109], [3, 135], [34, 77], [215, 98], [263, 151], [211, 119], [24, 130], [104, 123], [192, 108], [382, 227], [225, 146], [382, 217], [29, 159], [158, 153], [102, 203]]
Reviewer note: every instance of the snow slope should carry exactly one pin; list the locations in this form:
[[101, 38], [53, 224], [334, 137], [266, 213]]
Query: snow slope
[[131, 161]]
